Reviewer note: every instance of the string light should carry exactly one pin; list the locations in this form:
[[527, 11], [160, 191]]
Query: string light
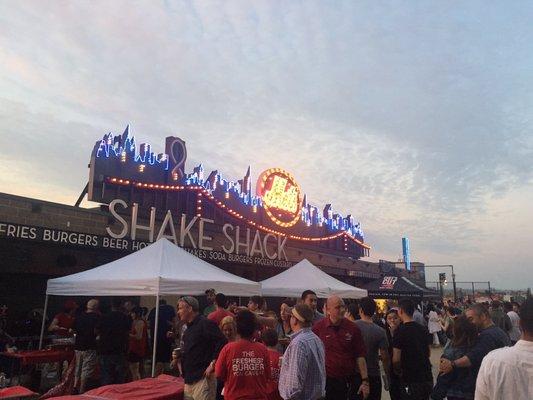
[[124, 149], [202, 192]]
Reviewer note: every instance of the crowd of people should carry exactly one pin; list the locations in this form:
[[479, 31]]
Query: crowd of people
[[249, 352]]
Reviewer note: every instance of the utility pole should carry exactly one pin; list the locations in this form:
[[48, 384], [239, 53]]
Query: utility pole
[[453, 277]]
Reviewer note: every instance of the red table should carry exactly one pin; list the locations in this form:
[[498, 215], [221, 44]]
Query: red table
[[34, 357], [164, 387], [15, 364], [16, 392]]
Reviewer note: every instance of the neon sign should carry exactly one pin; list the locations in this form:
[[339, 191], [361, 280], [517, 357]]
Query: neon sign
[[117, 160], [281, 196]]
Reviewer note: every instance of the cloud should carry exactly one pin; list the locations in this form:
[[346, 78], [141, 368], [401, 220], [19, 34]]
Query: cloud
[[415, 118]]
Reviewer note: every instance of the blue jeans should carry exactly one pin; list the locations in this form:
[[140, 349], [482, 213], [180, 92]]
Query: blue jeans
[[112, 368]]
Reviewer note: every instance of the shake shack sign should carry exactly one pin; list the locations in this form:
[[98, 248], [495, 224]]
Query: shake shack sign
[[233, 243], [237, 247]]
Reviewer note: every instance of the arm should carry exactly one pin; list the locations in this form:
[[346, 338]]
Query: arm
[[365, 385], [474, 356], [361, 365], [221, 371], [384, 352], [54, 326], [213, 335], [447, 366], [385, 359]]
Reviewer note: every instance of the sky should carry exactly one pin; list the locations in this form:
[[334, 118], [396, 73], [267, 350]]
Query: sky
[[415, 117]]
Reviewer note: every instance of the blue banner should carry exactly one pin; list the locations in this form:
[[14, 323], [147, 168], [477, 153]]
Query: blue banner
[[406, 253]]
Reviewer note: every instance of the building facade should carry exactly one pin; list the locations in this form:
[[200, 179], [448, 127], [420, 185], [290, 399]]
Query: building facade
[[140, 196]]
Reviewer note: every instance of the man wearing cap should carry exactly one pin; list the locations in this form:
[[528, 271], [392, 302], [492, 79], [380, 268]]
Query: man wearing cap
[[346, 372], [85, 346], [303, 371], [202, 342]]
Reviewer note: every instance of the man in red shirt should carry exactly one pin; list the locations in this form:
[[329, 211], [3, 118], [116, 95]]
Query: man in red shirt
[[220, 310], [63, 322], [270, 339], [244, 365], [346, 372]]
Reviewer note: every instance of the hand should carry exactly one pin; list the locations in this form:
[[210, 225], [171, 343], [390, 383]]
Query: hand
[[364, 389], [445, 366], [210, 369]]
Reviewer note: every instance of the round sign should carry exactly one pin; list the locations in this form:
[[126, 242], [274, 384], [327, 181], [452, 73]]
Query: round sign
[[281, 196]]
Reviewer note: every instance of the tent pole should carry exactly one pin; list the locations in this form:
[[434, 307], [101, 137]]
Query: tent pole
[[42, 324], [155, 332]]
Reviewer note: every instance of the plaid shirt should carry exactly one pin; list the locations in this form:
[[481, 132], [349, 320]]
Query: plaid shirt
[[303, 369]]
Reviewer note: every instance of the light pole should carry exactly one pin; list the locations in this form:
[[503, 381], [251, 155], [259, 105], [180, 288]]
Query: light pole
[[453, 277]]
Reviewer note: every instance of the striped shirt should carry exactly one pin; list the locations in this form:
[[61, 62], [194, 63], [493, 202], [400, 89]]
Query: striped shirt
[[303, 369]]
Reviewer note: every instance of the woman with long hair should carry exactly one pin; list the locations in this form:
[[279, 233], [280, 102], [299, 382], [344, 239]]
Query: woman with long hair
[[459, 384], [393, 321], [138, 343], [284, 326]]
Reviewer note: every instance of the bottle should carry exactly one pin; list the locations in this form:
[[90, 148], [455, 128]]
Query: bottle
[[3, 380]]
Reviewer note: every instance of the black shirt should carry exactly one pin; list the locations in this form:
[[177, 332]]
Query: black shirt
[[114, 329], [166, 317], [85, 328], [202, 341], [412, 339]]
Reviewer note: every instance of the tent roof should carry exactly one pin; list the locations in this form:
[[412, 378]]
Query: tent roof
[[397, 286], [160, 267], [303, 276]]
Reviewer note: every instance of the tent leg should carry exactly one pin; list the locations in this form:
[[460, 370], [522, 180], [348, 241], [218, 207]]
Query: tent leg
[[155, 333], [42, 324]]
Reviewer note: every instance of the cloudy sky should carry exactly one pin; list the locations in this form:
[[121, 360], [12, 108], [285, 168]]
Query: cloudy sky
[[416, 117]]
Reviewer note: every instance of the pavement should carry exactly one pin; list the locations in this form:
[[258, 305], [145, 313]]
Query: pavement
[[434, 357]]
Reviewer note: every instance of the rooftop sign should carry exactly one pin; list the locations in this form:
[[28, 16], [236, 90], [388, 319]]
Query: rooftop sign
[[119, 169]]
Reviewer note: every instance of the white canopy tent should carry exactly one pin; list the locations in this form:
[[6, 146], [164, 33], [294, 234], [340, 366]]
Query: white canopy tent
[[303, 276], [161, 268]]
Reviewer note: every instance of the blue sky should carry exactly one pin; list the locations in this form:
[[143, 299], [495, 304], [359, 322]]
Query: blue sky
[[416, 117]]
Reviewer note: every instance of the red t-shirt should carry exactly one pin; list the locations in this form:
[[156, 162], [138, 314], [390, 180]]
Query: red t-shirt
[[65, 322], [343, 344], [245, 369], [273, 357], [218, 315]]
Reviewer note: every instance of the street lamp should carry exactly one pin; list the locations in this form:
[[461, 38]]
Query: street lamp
[[453, 278]]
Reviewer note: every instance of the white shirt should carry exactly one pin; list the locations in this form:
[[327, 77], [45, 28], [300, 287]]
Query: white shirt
[[434, 324], [514, 333], [507, 373]]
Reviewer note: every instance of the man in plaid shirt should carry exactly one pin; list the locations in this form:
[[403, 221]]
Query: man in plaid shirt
[[303, 368]]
